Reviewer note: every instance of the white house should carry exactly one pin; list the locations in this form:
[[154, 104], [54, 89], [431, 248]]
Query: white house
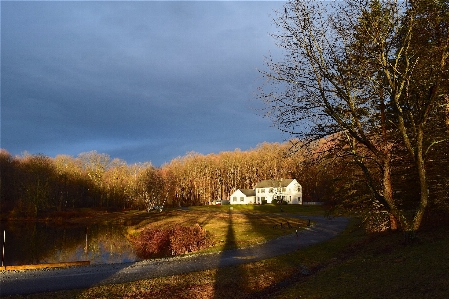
[[288, 190], [243, 196]]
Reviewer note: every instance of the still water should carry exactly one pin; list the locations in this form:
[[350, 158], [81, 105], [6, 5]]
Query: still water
[[37, 243]]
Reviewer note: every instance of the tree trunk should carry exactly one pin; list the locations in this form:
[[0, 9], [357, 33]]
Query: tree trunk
[[422, 182], [388, 195]]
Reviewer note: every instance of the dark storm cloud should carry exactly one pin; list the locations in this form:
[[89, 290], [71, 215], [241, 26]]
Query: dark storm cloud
[[138, 80]]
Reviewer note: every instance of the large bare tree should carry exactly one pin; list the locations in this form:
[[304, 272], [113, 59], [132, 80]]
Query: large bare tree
[[353, 70]]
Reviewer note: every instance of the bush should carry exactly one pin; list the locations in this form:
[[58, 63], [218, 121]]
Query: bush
[[152, 243], [176, 240]]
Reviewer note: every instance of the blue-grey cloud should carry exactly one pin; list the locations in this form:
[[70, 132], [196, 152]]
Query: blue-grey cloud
[[138, 80]]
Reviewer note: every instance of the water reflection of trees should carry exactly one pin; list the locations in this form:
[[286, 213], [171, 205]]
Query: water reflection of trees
[[34, 243]]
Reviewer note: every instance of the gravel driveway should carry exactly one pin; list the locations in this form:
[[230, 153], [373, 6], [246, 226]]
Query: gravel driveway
[[50, 280]]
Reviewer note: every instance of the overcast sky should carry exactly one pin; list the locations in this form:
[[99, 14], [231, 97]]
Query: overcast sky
[[140, 81]]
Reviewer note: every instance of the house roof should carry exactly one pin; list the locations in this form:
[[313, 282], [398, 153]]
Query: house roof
[[274, 183], [248, 192]]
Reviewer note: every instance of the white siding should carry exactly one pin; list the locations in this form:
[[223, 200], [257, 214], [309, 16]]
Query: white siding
[[239, 198]]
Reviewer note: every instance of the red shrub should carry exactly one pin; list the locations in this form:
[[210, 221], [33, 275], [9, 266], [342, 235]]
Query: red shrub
[[175, 240], [188, 239], [152, 243]]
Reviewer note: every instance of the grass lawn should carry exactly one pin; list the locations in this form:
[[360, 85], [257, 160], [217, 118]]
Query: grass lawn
[[233, 226], [351, 265]]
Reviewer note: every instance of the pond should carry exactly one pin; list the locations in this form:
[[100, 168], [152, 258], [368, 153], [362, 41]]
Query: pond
[[38, 243]]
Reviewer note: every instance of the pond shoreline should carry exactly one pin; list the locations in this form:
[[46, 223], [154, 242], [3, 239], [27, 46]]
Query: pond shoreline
[[45, 266], [80, 216]]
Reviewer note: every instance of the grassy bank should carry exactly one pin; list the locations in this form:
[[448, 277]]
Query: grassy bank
[[352, 265], [381, 266]]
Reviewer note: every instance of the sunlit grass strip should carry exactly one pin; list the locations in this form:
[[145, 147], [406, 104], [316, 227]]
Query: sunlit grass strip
[[264, 209]]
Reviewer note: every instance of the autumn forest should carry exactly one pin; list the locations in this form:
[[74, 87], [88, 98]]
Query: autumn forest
[[32, 185]]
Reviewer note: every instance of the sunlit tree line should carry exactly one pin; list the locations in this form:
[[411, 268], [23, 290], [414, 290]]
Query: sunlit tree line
[[201, 179], [31, 184]]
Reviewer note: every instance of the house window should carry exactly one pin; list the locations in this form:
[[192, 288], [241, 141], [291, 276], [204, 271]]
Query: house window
[[262, 190], [242, 199], [234, 198], [271, 190]]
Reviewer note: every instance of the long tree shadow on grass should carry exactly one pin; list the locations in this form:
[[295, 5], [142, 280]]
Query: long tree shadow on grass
[[229, 281], [236, 281]]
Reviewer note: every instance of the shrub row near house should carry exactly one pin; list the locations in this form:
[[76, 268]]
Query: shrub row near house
[[175, 240]]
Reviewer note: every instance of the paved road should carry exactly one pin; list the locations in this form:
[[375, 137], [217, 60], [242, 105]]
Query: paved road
[[50, 280]]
